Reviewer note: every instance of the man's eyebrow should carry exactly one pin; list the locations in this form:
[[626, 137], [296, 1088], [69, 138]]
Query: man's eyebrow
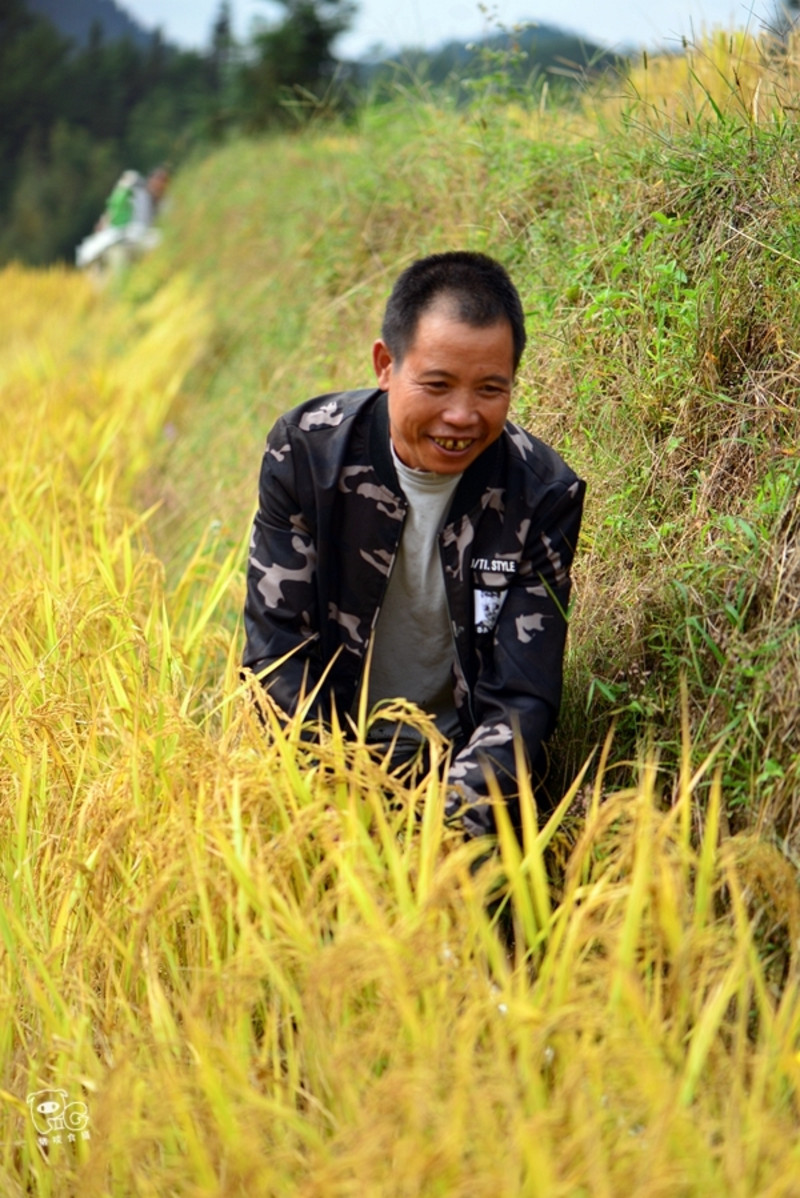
[[504, 380], [441, 372]]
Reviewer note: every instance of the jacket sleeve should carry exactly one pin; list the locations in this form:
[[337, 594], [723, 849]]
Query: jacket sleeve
[[281, 615], [518, 690]]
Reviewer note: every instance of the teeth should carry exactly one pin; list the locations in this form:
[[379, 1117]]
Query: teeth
[[452, 443]]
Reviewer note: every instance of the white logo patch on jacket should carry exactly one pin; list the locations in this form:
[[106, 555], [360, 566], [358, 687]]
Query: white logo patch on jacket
[[487, 608]]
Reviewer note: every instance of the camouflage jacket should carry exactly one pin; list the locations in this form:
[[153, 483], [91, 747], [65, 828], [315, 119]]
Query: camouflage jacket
[[325, 535]]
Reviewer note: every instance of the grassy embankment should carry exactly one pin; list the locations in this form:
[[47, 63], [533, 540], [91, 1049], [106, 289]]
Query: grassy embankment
[[256, 977]]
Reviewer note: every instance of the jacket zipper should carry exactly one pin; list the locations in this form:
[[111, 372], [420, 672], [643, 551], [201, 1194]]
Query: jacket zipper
[[377, 611], [456, 647]]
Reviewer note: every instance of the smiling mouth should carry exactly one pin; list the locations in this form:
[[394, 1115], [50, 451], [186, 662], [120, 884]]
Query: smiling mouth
[[453, 443]]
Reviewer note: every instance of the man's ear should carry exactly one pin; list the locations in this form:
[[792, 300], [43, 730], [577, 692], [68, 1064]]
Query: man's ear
[[382, 361]]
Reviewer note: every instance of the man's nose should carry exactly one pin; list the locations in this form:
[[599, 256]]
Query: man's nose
[[460, 410]]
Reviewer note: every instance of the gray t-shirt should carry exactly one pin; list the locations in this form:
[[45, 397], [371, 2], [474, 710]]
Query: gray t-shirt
[[413, 648]]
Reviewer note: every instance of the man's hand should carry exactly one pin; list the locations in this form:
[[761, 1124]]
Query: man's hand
[[464, 807]]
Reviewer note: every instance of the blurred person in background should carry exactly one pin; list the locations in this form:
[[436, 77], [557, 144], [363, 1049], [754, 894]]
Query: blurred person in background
[[125, 229]]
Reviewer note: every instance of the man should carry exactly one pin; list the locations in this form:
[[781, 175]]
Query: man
[[135, 201], [415, 528], [125, 229]]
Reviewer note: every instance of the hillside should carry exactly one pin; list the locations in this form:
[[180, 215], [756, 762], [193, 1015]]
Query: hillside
[[517, 56], [76, 18], [652, 366], [235, 960], [76, 110]]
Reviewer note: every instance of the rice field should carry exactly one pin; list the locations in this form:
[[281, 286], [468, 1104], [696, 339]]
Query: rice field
[[235, 963]]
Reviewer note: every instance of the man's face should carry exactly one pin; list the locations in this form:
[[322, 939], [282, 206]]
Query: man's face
[[157, 184], [449, 397]]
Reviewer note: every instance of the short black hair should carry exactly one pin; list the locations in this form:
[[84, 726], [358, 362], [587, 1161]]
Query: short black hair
[[480, 288]]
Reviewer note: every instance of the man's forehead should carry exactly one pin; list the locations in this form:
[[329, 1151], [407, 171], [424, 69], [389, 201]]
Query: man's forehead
[[444, 315]]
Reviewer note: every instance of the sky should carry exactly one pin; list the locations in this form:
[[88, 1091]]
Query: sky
[[397, 23]]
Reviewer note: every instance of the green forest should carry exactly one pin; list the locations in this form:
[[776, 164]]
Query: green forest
[[75, 111]]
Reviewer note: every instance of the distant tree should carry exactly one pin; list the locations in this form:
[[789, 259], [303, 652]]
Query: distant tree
[[222, 71], [156, 61], [96, 37], [222, 39], [60, 189], [295, 54], [33, 64], [173, 116]]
